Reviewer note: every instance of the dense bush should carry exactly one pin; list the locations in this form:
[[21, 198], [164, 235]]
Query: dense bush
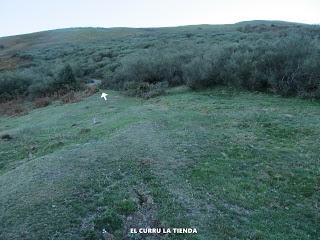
[[292, 64], [150, 67], [149, 72], [65, 79], [36, 83], [208, 69], [13, 85], [289, 67]]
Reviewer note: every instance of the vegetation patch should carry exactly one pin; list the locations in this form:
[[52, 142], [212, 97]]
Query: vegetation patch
[[274, 57], [126, 207]]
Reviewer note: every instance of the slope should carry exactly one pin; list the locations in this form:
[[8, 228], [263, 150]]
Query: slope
[[231, 164]]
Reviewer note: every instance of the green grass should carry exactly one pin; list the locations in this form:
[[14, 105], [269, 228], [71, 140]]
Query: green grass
[[234, 165]]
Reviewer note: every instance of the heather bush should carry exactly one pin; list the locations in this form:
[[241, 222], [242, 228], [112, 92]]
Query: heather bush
[[65, 79], [13, 85], [148, 71], [289, 67], [144, 89]]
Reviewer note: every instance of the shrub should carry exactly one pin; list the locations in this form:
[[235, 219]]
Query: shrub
[[12, 108], [90, 90], [289, 67], [75, 96], [309, 85], [66, 79], [142, 72], [209, 69], [144, 89], [42, 102], [13, 85], [41, 87], [36, 82]]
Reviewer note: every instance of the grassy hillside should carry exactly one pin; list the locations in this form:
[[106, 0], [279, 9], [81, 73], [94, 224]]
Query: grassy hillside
[[192, 139], [266, 56], [233, 164]]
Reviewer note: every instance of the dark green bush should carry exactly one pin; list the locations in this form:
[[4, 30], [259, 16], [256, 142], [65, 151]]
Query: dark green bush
[[41, 87], [13, 85], [198, 73], [36, 82], [151, 67], [309, 86], [289, 67], [65, 78]]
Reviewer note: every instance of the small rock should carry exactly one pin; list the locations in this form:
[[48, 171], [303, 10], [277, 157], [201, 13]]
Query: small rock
[[33, 147], [94, 121], [149, 200], [6, 137], [106, 235]]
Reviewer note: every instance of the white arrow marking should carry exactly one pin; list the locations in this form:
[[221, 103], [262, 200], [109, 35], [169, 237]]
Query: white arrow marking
[[104, 95]]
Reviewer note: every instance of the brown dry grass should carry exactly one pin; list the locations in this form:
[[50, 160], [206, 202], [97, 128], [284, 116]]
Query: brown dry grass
[[9, 63], [13, 108], [19, 106], [42, 102], [73, 96]]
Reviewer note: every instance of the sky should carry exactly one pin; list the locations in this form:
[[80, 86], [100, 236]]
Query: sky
[[25, 16]]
